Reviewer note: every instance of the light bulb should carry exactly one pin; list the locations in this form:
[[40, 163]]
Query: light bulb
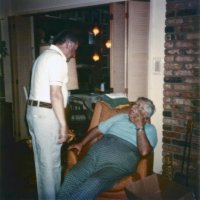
[[96, 30], [108, 44], [96, 57]]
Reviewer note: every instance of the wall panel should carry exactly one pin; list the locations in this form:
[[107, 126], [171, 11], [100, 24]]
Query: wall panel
[[22, 59], [138, 33], [117, 55]]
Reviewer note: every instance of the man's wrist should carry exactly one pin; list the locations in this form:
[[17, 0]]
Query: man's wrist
[[141, 129], [81, 143]]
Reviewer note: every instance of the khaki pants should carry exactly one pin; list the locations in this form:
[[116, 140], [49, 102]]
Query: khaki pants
[[44, 129]]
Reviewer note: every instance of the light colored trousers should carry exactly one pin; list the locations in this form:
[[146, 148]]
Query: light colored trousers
[[44, 129]]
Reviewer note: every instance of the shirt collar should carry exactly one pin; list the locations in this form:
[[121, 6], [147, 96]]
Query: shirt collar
[[55, 48]]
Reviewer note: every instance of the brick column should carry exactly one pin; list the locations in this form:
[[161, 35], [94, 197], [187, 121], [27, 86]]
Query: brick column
[[181, 83]]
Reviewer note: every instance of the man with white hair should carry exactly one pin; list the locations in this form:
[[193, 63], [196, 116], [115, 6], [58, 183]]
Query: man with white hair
[[126, 138]]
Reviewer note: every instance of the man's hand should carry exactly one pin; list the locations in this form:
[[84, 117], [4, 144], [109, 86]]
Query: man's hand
[[78, 147], [94, 132], [62, 135], [137, 116]]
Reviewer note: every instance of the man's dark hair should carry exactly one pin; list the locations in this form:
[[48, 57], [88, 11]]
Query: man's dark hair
[[61, 37]]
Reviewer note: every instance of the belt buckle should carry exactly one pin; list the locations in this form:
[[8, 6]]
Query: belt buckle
[[30, 102], [34, 103]]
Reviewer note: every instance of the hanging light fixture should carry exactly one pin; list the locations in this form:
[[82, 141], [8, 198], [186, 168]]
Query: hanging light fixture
[[108, 44], [96, 57], [95, 30]]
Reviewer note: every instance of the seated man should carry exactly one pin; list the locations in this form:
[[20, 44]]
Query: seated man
[[126, 137]]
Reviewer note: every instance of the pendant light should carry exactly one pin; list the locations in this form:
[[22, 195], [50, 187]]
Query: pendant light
[[95, 30]]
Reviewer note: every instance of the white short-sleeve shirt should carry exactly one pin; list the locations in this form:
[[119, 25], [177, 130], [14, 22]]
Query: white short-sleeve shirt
[[50, 68]]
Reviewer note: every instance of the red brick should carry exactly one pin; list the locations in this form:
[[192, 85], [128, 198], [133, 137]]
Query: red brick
[[192, 51], [178, 101], [169, 44], [187, 28], [179, 129], [171, 134], [192, 80], [189, 94], [173, 66], [184, 87], [168, 86], [185, 58], [185, 44], [174, 21], [182, 101], [177, 107], [172, 149], [181, 5], [184, 73], [168, 72], [173, 51], [192, 20], [167, 100], [191, 36], [169, 58], [166, 140], [171, 121], [171, 93], [167, 107], [183, 116], [188, 109], [170, 6], [192, 65]]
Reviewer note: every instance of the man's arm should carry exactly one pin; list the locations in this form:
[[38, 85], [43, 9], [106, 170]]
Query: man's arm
[[94, 132], [58, 107], [139, 119], [143, 143]]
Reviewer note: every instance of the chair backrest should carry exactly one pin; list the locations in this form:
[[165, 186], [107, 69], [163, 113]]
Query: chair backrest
[[103, 111]]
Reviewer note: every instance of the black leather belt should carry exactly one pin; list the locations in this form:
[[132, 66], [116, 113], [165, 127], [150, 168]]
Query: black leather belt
[[39, 104]]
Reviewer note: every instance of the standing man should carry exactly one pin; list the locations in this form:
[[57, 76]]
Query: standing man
[[46, 112]]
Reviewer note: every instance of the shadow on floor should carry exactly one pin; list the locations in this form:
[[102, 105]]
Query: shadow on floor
[[17, 170], [18, 173]]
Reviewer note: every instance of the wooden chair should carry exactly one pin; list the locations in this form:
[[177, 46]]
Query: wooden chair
[[103, 111]]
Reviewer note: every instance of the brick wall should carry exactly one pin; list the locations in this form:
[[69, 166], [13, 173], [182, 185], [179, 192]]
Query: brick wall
[[181, 83]]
